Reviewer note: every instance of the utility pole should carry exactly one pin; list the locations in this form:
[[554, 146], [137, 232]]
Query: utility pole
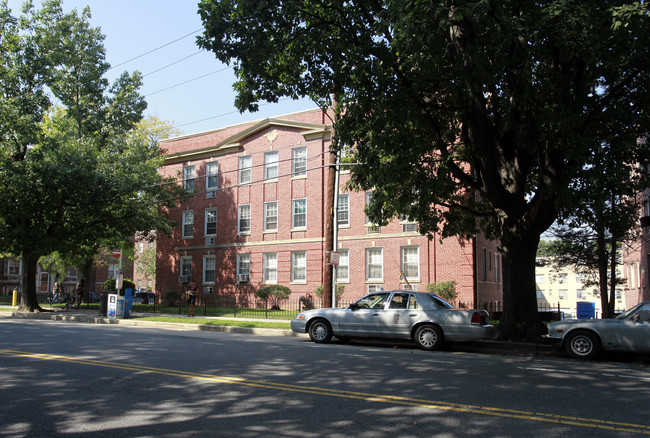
[[331, 225]]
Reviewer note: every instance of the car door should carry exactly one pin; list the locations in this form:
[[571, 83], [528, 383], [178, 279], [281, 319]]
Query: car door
[[634, 332], [399, 316], [362, 317]]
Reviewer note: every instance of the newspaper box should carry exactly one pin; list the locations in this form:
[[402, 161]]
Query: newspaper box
[[115, 306]]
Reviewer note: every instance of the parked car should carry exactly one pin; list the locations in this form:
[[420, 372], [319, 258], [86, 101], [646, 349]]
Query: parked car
[[144, 297], [424, 318], [586, 338], [93, 297]]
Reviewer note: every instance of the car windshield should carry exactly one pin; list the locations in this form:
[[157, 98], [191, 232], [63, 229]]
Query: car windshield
[[629, 311]]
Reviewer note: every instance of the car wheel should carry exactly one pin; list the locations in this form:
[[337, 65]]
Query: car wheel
[[428, 337], [582, 345], [320, 331]]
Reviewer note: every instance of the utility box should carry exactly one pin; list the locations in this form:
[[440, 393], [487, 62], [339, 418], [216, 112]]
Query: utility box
[[128, 302], [585, 310], [115, 306]]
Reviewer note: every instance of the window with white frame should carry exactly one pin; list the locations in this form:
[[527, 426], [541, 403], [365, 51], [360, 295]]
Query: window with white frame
[[271, 216], [411, 262], [209, 262], [563, 294], [189, 176], [245, 169], [210, 221], [369, 195], [298, 266], [243, 268], [212, 176], [581, 294], [374, 264], [540, 278], [271, 165], [299, 162], [188, 223], [12, 267], [497, 267], [244, 219], [343, 210], [343, 269], [299, 213], [186, 267], [270, 267]]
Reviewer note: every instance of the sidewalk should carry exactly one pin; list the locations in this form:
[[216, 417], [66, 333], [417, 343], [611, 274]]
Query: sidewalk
[[90, 316]]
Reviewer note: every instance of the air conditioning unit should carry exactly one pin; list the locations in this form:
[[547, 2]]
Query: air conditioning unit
[[210, 195], [243, 278], [209, 240], [184, 279]]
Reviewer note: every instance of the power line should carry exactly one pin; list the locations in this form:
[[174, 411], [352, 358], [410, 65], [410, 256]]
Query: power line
[[157, 48], [188, 81], [173, 63], [226, 114]]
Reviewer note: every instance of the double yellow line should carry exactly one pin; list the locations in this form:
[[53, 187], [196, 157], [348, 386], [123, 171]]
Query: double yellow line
[[376, 398]]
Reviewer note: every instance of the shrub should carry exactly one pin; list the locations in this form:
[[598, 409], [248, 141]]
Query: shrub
[[172, 297], [445, 289], [127, 283], [274, 293], [339, 291]]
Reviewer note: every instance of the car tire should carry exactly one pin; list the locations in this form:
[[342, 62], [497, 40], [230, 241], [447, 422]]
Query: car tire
[[583, 345], [429, 337], [320, 331]]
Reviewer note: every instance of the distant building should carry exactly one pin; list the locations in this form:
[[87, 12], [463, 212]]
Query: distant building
[[636, 257], [563, 289], [257, 217]]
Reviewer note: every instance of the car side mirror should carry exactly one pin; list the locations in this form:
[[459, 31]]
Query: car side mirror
[[353, 306]]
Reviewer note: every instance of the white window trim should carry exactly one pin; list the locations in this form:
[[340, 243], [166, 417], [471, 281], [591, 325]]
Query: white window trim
[[239, 266], [187, 170], [277, 213], [181, 264], [347, 223], [205, 260], [185, 214], [248, 167], [368, 277], [302, 173], [266, 258], [270, 164], [293, 214], [239, 217], [208, 166], [341, 258], [417, 262], [205, 226], [294, 267]]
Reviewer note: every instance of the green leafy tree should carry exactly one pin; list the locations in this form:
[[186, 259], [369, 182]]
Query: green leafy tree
[[464, 115], [77, 177], [275, 293], [445, 289]]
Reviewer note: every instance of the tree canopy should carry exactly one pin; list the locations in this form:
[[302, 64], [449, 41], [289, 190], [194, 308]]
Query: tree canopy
[[464, 115], [83, 173]]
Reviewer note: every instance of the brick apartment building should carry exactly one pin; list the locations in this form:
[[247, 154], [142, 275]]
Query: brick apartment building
[[636, 258], [257, 217]]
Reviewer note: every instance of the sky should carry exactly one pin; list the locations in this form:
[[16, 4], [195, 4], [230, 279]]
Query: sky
[[195, 93]]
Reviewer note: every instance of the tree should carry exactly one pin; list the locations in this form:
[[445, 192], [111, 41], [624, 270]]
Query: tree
[[76, 177], [275, 293], [464, 115]]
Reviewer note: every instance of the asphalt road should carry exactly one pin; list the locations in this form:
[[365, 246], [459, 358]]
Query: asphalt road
[[75, 379]]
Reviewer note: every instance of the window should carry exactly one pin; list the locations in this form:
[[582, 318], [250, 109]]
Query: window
[[245, 165], [539, 294], [343, 269], [374, 264], [368, 199], [563, 294], [140, 247], [212, 176], [343, 210], [271, 165], [299, 218], [243, 268], [271, 216], [411, 262], [299, 161], [188, 178], [270, 267], [562, 277], [186, 268], [581, 294], [12, 267], [244, 219], [112, 271], [298, 266], [209, 269], [211, 222], [188, 223], [540, 278], [497, 267]]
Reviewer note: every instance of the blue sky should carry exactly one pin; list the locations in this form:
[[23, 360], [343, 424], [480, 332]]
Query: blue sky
[[135, 27]]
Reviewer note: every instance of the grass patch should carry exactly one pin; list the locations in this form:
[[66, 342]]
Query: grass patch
[[225, 322]]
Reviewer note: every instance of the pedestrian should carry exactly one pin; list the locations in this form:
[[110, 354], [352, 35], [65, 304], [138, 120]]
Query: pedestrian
[[192, 293], [79, 292], [67, 300], [56, 293]]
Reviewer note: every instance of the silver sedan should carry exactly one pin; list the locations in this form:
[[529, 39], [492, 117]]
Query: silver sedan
[[425, 318], [584, 339]]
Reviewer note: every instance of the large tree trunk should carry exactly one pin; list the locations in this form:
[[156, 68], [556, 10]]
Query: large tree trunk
[[520, 320], [28, 292], [612, 275], [601, 254]]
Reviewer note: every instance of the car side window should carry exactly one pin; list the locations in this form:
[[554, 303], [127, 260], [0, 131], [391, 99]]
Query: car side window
[[399, 301], [374, 301], [643, 316]]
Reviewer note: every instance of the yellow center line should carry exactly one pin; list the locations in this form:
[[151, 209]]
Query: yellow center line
[[377, 398]]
